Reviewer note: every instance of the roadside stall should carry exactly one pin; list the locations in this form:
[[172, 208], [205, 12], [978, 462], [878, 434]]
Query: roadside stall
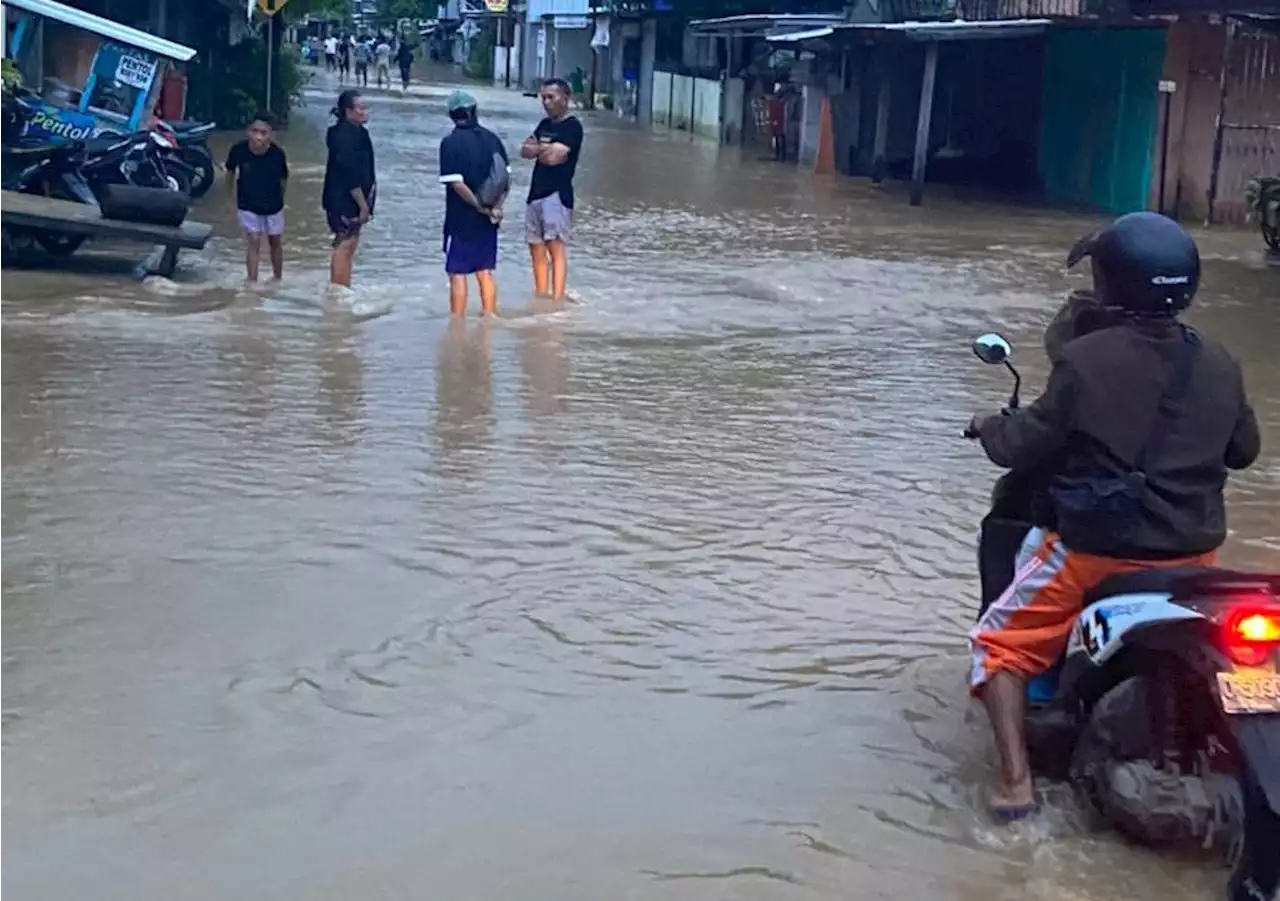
[[92, 76]]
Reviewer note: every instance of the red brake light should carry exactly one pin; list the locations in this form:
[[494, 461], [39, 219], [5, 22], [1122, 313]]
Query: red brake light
[[1251, 633]]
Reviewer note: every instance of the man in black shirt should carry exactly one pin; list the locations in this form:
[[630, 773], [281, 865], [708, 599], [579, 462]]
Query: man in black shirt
[[555, 145], [474, 171], [257, 169]]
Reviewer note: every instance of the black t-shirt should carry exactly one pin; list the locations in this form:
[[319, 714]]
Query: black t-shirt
[[466, 154], [350, 165], [548, 180], [259, 178]]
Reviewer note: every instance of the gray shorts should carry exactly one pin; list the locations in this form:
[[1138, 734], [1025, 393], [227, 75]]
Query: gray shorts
[[547, 219]]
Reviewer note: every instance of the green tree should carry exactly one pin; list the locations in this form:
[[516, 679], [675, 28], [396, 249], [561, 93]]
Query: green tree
[[391, 11], [338, 9]]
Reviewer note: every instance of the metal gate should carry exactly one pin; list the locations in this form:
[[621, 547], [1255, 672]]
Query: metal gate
[[1247, 143]]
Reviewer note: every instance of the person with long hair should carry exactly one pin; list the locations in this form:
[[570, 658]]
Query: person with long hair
[[350, 186]]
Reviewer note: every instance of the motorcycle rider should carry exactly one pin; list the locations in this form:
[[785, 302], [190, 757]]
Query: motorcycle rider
[[1143, 416]]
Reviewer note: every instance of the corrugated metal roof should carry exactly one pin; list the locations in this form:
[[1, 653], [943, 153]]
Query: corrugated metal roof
[[763, 22], [921, 31], [105, 27]]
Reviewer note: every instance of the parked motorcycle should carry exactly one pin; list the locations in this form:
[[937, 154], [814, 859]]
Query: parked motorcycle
[[1164, 712], [50, 170], [192, 153], [139, 159]]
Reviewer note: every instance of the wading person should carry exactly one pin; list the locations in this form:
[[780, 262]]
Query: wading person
[[363, 53], [1142, 417], [555, 145], [382, 58], [350, 187], [404, 59], [475, 173], [330, 53], [344, 58], [256, 171]]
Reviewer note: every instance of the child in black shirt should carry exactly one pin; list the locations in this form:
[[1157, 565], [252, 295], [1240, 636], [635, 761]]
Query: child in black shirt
[[258, 170]]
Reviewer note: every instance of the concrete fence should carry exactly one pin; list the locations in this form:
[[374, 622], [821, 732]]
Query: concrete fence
[[687, 103]]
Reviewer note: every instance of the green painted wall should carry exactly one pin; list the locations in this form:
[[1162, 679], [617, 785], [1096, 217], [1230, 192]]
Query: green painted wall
[[1101, 107]]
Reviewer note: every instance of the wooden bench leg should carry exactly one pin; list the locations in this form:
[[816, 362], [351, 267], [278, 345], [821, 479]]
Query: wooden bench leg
[[161, 261]]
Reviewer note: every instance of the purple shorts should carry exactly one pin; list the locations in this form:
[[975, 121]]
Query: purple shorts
[[257, 224], [547, 219], [466, 256]]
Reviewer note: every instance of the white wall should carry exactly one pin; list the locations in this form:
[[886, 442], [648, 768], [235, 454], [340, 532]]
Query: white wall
[[810, 121], [662, 98], [690, 104], [500, 63]]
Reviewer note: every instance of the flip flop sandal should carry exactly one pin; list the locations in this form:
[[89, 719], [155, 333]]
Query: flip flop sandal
[[1014, 813]]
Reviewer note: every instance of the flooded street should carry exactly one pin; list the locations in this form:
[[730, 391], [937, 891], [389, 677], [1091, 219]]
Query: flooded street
[[659, 596]]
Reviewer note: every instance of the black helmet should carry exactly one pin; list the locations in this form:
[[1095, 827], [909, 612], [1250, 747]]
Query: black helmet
[[1143, 263]]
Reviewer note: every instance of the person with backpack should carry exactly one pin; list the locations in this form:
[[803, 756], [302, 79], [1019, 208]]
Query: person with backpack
[[1140, 421], [476, 174]]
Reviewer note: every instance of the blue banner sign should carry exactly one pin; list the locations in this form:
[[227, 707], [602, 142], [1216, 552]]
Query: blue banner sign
[[55, 123]]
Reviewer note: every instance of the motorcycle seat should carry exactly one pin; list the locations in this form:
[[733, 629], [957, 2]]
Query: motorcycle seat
[[1182, 581], [182, 126], [103, 143], [34, 147]]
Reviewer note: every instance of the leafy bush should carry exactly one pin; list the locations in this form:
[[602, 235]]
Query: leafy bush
[[479, 62], [231, 86], [12, 77]]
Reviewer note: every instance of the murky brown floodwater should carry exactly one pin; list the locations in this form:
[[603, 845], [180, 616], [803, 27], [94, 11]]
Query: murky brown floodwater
[[662, 596]]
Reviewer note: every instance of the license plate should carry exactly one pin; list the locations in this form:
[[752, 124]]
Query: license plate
[[1250, 691]]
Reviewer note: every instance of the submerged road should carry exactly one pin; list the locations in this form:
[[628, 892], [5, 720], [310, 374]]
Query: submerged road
[[659, 596]]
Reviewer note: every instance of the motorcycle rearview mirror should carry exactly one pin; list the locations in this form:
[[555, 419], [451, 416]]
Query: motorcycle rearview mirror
[[996, 350], [992, 348]]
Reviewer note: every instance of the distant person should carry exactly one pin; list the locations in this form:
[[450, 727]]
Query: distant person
[[330, 54], [344, 58], [382, 59], [778, 124], [257, 171], [404, 59], [555, 145], [350, 186], [363, 54], [475, 172]]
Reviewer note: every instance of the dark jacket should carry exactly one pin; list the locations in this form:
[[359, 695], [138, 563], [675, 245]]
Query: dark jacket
[[1096, 414], [349, 166]]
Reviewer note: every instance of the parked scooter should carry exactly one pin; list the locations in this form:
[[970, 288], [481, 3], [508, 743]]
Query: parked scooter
[[1164, 712], [192, 153], [133, 159], [138, 159]]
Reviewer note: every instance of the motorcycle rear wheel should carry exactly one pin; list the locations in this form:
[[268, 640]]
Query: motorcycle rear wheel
[[1114, 767], [203, 173]]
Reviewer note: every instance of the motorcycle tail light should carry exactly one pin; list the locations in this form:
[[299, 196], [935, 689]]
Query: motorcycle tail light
[[1251, 632]]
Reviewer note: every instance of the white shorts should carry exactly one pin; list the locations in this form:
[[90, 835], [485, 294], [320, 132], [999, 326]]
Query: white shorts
[[256, 224]]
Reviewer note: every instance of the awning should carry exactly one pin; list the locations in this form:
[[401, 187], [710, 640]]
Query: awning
[[763, 23], [957, 30], [105, 27]]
